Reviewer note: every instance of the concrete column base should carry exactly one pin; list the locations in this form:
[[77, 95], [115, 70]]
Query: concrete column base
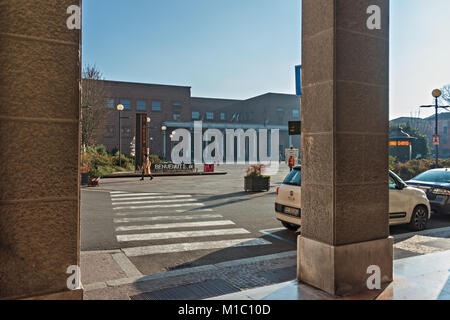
[[342, 270]]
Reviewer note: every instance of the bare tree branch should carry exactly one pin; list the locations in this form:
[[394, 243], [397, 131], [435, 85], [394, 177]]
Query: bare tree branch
[[93, 96]]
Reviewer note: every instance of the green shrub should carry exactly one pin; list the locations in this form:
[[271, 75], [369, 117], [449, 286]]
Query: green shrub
[[101, 149], [413, 168], [154, 159]]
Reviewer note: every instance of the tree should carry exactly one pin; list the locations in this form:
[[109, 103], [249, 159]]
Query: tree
[[445, 98], [94, 100], [420, 146]]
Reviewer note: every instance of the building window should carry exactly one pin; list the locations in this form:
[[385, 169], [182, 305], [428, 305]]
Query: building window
[[296, 114], [176, 117], [195, 115], [156, 106], [126, 132], [176, 104], [126, 104], [110, 104], [223, 116], [280, 114], [210, 116], [108, 131], [141, 106]]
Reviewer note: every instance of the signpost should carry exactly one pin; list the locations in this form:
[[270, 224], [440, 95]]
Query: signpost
[[295, 128], [436, 140], [292, 153]]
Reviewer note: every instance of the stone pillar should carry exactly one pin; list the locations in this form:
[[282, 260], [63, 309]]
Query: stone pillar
[[39, 138], [345, 116]]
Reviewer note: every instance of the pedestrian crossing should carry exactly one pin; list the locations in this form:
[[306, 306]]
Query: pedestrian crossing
[[149, 219]]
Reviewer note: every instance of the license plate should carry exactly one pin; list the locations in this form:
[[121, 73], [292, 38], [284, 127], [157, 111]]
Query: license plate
[[291, 211]]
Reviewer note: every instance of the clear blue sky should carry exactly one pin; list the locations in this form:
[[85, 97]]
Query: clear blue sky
[[243, 48]]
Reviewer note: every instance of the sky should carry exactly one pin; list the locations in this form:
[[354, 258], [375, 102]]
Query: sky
[[239, 49]]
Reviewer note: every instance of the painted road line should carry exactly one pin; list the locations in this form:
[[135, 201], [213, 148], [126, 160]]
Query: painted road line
[[176, 225], [183, 247], [267, 232], [162, 218], [152, 198], [154, 201], [145, 213], [180, 234], [194, 210], [135, 195], [117, 192], [162, 206]]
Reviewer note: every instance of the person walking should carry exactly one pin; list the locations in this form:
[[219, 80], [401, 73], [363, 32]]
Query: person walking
[[291, 162], [146, 168]]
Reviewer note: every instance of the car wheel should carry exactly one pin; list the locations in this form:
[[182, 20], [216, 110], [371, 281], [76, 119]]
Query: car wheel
[[419, 219], [289, 226]]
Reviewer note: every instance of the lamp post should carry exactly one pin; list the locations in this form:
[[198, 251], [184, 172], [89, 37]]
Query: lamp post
[[120, 108], [148, 128], [436, 94], [164, 129]]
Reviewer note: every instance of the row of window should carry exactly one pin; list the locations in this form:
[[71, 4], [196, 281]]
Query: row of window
[[109, 131], [141, 105], [208, 116]]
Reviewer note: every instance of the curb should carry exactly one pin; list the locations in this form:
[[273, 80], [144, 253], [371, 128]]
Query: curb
[[186, 271], [156, 175], [432, 232]]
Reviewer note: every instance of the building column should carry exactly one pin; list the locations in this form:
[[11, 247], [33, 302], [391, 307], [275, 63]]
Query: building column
[[40, 158], [345, 124]]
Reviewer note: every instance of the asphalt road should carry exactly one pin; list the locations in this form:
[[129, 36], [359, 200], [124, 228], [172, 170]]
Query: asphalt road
[[178, 222]]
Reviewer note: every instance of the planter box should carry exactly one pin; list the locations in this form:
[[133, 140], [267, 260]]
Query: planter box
[[84, 179], [256, 184]]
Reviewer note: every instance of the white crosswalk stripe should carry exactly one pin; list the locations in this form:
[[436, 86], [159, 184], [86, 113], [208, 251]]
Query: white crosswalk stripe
[[145, 215], [152, 198], [125, 195], [162, 218], [179, 234], [155, 201], [176, 225], [153, 212], [161, 206], [193, 246]]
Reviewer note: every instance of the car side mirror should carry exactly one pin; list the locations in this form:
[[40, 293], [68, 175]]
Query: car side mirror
[[401, 186]]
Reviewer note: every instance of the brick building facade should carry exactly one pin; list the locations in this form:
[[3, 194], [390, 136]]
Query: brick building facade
[[174, 108]]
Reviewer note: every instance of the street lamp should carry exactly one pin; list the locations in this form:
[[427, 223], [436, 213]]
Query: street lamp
[[436, 94], [120, 108], [148, 127], [164, 129]]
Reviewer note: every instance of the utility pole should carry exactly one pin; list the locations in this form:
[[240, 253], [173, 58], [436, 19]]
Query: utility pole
[[436, 139]]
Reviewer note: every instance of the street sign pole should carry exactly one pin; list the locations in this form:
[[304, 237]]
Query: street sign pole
[[436, 133]]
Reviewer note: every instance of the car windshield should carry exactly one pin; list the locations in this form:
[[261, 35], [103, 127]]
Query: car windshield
[[294, 178], [434, 176]]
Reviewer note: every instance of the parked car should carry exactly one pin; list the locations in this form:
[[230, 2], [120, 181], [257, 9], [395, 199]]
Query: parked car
[[407, 205], [436, 184]]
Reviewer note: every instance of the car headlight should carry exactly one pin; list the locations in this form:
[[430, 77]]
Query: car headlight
[[441, 192]]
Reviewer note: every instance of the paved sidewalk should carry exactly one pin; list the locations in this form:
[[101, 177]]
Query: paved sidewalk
[[111, 275], [424, 277]]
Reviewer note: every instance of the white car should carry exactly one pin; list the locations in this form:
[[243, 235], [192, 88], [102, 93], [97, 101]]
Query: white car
[[407, 205]]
